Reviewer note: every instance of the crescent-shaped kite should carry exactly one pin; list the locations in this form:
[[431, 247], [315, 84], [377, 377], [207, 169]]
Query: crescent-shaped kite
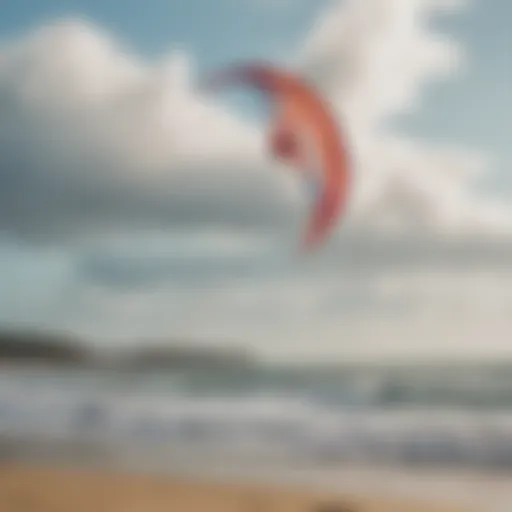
[[304, 135]]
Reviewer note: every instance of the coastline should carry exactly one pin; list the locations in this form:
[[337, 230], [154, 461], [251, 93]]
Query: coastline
[[50, 488], [72, 424], [43, 472]]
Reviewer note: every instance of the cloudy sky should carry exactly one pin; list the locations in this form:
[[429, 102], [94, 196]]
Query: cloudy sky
[[133, 207]]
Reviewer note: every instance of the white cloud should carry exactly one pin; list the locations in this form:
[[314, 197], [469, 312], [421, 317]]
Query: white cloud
[[373, 59], [91, 137], [376, 56], [94, 141]]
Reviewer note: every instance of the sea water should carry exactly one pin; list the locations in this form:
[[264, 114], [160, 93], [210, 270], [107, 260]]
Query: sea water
[[456, 417]]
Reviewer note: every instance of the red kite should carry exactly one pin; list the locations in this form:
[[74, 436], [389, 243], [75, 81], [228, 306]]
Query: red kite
[[305, 135]]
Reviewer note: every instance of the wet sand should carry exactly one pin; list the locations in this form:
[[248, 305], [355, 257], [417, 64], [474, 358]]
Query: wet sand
[[27, 488]]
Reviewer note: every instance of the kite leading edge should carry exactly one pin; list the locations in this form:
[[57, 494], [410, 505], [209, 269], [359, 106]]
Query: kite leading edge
[[304, 135]]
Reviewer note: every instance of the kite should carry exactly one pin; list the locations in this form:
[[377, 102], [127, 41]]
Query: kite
[[304, 135]]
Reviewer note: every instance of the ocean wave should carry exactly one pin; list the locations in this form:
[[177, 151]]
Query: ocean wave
[[271, 424]]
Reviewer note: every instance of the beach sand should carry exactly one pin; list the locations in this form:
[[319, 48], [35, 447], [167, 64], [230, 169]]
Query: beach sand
[[27, 488]]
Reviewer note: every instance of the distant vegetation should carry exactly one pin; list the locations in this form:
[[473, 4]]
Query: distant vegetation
[[156, 355], [29, 348]]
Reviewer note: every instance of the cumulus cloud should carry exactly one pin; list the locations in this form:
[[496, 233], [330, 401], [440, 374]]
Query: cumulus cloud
[[91, 137], [379, 56], [374, 59], [94, 142]]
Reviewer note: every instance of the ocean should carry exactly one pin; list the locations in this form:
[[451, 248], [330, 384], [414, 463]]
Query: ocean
[[421, 416]]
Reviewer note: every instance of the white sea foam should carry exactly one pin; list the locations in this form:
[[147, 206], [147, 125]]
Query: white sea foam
[[269, 424]]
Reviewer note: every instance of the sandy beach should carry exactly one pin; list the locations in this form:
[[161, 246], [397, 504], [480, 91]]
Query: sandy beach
[[25, 488]]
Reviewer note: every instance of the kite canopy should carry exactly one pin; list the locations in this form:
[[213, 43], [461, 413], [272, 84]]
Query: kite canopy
[[304, 134]]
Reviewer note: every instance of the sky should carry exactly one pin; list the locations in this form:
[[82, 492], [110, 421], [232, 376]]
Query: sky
[[132, 207]]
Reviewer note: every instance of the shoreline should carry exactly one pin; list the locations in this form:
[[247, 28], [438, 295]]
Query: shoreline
[[461, 490], [49, 488]]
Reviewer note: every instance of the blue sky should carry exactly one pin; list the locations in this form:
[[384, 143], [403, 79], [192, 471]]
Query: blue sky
[[473, 108], [138, 209], [214, 32]]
